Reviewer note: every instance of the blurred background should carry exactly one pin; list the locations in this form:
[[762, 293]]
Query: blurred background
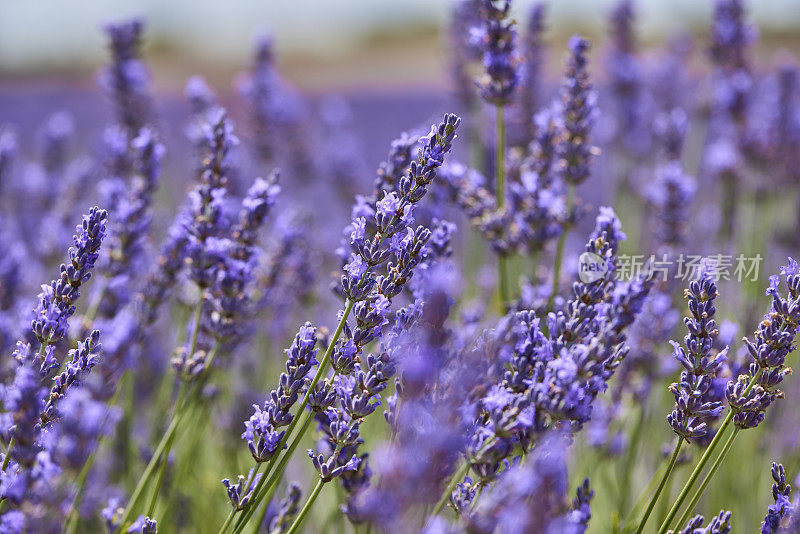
[[322, 44], [389, 59]]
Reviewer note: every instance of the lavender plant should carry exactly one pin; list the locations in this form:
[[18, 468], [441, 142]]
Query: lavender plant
[[31, 402], [542, 414]]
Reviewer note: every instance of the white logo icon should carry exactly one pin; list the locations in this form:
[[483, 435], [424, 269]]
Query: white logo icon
[[591, 267]]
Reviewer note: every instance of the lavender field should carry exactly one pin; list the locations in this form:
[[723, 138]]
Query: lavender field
[[551, 291]]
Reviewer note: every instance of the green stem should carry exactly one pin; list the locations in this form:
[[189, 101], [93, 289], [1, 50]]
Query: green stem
[[227, 522], [500, 194], [160, 477], [630, 461], [198, 314], [663, 506], [703, 461], [627, 526], [71, 523], [500, 154], [699, 493], [306, 507], [562, 240], [185, 407], [660, 487], [182, 405], [8, 453], [94, 306], [148, 470], [457, 477], [535, 257]]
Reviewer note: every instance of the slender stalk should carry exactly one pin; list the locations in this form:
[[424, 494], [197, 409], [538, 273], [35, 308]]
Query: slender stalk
[[630, 461], [258, 492], [198, 314], [71, 523], [559, 259], [455, 479], [7, 457], [660, 487], [181, 409], [306, 507], [699, 493], [703, 461], [695, 473], [627, 526], [148, 470], [535, 258], [162, 467], [500, 193], [500, 155], [94, 305], [227, 522], [663, 506]]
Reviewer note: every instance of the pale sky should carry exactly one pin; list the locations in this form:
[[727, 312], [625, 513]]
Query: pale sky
[[36, 34]]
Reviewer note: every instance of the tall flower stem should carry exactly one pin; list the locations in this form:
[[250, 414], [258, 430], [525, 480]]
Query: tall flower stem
[[562, 239], [94, 305], [321, 369], [227, 522], [627, 525], [162, 467], [661, 485], [701, 490], [500, 186], [703, 461], [306, 507], [457, 476], [71, 523], [630, 460], [7, 457], [148, 471], [179, 413]]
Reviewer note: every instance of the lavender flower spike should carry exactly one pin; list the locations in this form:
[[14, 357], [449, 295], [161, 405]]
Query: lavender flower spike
[[241, 492], [773, 342], [81, 361], [262, 430], [531, 90], [499, 53], [782, 507], [578, 101], [57, 301], [126, 80], [720, 524], [695, 403]]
